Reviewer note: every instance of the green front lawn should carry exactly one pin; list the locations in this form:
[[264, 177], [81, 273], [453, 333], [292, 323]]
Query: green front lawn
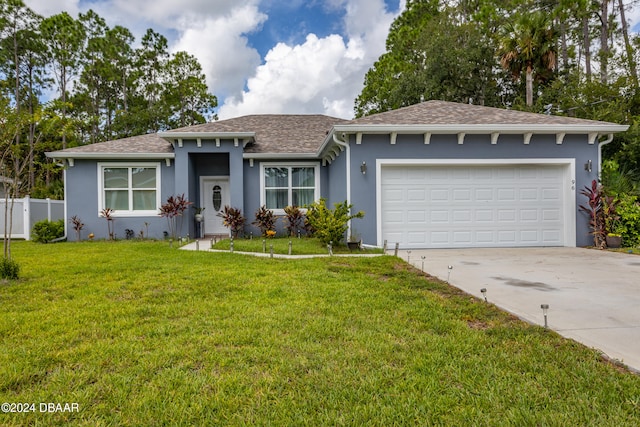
[[137, 333]]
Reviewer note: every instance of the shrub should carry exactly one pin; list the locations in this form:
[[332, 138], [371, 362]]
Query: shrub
[[265, 220], [233, 219], [9, 269], [173, 210], [330, 225], [595, 212], [106, 213], [293, 219], [45, 231], [628, 211], [78, 225]]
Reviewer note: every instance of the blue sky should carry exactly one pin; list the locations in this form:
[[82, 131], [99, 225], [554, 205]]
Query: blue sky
[[263, 56]]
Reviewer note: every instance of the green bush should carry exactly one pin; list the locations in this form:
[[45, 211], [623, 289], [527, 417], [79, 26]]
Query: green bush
[[45, 231], [629, 223], [330, 225], [9, 269]]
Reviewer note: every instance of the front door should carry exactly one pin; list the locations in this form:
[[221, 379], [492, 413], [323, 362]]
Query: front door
[[214, 196]]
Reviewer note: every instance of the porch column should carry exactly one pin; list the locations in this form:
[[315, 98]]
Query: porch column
[[236, 179]]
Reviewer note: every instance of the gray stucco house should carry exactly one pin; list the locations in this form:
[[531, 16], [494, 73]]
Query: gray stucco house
[[432, 175]]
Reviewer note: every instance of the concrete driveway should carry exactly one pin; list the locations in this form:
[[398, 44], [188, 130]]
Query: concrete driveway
[[593, 296]]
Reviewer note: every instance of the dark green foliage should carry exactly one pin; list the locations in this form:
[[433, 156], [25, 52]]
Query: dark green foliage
[[628, 211], [9, 269], [265, 220], [293, 219], [233, 219], [330, 225], [45, 231]]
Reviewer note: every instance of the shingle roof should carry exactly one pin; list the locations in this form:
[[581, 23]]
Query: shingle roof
[[305, 134], [144, 144], [452, 113], [274, 133]]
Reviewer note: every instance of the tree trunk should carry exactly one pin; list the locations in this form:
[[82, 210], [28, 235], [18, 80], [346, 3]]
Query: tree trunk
[[633, 73], [586, 42], [604, 42], [563, 46], [529, 77]]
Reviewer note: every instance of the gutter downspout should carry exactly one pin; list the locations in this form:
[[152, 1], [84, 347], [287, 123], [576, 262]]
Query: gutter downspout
[[64, 181], [348, 171], [600, 145]]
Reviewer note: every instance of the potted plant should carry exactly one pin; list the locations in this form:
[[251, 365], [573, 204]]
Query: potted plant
[[198, 216], [613, 236], [614, 240]]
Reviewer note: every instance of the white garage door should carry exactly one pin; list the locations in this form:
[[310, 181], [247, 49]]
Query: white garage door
[[473, 206]]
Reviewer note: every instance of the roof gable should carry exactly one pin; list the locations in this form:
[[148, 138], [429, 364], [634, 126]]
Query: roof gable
[[273, 133]]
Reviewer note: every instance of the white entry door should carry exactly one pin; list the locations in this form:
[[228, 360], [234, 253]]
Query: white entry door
[[214, 196]]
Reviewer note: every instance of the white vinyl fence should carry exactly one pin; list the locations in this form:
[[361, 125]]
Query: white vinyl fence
[[28, 211]]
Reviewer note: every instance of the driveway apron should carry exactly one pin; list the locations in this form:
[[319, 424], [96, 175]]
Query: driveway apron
[[593, 296]]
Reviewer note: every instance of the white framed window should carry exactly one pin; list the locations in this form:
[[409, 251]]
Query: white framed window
[[130, 189], [289, 184]]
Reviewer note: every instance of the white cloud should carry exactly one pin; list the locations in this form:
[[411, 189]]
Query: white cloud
[[52, 7], [222, 49], [321, 75]]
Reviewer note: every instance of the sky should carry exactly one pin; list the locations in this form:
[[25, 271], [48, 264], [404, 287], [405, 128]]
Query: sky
[[262, 56]]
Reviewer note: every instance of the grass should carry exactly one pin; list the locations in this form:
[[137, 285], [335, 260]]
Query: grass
[[302, 246], [140, 334]]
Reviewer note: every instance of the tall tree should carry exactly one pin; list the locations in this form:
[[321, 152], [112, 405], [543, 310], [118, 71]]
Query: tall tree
[[633, 72], [64, 37], [151, 62], [187, 93], [528, 45], [433, 52], [22, 64]]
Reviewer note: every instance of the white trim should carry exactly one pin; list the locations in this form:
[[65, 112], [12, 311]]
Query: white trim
[[277, 156], [129, 213], [109, 156], [484, 128], [263, 165], [569, 196]]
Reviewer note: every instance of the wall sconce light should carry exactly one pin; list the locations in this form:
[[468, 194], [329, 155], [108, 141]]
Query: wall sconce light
[[588, 166], [545, 308], [363, 168]]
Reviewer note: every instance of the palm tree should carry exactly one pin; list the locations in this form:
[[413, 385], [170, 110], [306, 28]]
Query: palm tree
[[529, 45]]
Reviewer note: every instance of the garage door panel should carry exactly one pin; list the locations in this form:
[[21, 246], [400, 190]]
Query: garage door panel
[[529, 215], [462, 216], [461, 194], [484, 194], [416, 195], [439, 238], [461, 206], [439, 216], [439, 195]]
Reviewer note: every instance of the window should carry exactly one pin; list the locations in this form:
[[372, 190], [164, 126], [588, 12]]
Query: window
[[130, 189], [288, 185]]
